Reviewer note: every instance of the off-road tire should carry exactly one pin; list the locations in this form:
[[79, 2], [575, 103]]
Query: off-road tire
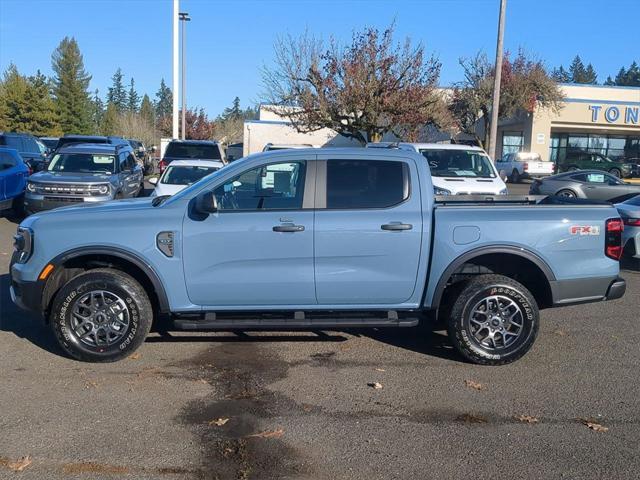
[[474, 291], [139, 313]]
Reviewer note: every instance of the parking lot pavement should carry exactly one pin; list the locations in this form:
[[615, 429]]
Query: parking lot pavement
[[299, 404]]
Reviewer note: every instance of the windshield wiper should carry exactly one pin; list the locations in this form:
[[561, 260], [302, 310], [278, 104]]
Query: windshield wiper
[[158, 200]]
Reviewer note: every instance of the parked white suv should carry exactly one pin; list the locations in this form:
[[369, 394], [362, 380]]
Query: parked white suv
[[456, 169], [519, 165]]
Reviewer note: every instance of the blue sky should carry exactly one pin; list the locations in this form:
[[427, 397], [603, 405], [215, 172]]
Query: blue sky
[[228, 42]]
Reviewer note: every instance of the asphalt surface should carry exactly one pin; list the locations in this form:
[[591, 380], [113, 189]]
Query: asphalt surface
[[299, 406]]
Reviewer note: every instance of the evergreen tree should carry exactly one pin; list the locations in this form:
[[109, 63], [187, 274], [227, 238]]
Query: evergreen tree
[[110, 120], [97, 111], [146, 111], [561, 75], [590, 75], [609, 81], [164, 101], [40, 115], [577, 70], [13, 91], [117, 95], [630, 77], [133, 99], [234, 112], [70, 84]]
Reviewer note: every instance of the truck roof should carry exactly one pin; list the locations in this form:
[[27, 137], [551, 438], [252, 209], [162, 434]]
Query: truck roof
[[426, 146], [105, 148]]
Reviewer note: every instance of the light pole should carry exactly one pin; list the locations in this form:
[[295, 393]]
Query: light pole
[[495, 104], [174, 93], [184, 17]]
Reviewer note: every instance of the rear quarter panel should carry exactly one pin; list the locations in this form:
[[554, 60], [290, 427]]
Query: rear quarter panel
[[543, 230]]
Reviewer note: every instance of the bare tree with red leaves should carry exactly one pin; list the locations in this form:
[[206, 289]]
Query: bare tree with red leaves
[[361, 91], [525, 86]]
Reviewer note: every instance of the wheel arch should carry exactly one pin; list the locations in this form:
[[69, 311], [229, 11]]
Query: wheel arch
[[539, 274], [67, 264]]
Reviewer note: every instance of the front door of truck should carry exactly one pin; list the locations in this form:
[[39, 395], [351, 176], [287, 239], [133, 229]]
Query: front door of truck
[[368, 230], [257, 250]]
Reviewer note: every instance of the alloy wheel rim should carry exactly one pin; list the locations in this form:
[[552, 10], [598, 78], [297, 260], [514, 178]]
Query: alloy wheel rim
[[100, 318], [496, 322]]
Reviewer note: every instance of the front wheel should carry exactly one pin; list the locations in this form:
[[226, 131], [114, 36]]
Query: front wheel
[[102, 315], [615, 172], [494, 320]]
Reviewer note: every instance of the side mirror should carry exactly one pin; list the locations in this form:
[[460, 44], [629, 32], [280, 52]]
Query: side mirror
[[206, 203], [153, 180]]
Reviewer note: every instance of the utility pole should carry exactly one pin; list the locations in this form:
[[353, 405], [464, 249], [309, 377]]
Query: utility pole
[[184, 17], [493, 132], [174, 93]]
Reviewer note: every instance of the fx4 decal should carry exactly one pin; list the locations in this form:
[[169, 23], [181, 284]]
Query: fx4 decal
[[584, 230]]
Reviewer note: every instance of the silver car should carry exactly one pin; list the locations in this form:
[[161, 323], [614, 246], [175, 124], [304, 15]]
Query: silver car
[[630, 213], [591, 184]]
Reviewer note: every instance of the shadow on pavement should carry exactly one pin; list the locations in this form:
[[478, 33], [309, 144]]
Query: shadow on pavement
[[24, 324]]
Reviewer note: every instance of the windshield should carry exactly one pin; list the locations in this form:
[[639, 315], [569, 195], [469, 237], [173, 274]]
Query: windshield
[[459, 163], [202, 151], [82, 163], [185, 175]]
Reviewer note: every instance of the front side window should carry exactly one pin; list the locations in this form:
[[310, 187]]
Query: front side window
[[459, 163], [359, 184], [277, 186], [82, 163], [7, 161], [184, 175]]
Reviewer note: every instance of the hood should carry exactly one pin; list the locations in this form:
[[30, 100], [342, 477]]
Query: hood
[[128, 204], [70, 177], [164, 189]]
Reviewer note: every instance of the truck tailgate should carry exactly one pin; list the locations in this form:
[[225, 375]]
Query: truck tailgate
[[539, 168]]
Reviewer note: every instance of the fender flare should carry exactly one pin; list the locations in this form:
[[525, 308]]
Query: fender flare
[[477, 252], [147, 269]]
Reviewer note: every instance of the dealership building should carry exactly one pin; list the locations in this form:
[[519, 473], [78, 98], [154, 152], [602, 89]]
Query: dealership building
[[593, 118]]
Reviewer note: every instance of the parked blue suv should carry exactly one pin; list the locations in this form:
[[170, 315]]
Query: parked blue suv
[[13, 179]]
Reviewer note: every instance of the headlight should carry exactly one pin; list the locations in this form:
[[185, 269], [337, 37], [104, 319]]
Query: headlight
[[23, 244], [103, 189], [504, 191], [31, 187], [441, 191]]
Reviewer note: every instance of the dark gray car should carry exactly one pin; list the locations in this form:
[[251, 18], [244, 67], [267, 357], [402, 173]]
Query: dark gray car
[[591, 184], [85, 173]]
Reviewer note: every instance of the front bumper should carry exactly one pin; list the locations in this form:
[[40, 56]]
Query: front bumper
[[26, 294], [586, 290], [36, 203]]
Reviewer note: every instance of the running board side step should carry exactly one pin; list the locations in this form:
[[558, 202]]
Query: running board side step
[[298, 319]]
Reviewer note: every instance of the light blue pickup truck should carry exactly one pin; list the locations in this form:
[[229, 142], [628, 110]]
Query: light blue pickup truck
[[317, 238]]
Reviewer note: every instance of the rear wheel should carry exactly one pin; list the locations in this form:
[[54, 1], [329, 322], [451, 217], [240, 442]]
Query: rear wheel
[[615, 172], [566, 193], [515, 176], [494, 320], [102, 315]]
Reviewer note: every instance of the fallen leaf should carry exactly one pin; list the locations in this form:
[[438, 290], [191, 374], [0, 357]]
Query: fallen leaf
[[218, 422], [380, 370], [560, 333], [596, 427], [134, 356], [90, 384], [268, 434], [306, 407], [17, 466], [474, 385], [527, 419], [471, 418], [202, 380], [375, 385]]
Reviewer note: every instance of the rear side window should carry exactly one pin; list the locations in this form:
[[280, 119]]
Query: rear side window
[[7, 161], [357, 184]]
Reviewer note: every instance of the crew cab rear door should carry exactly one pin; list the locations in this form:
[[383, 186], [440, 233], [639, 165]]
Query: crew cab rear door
[[368, 229]]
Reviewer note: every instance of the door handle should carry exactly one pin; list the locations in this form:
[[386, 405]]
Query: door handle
[[288, 228], [396, 226]]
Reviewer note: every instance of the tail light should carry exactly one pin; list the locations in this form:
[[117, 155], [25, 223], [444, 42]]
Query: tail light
[[30, 170], [613, 238], [525, 166], [632, 222], [163, 164]]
